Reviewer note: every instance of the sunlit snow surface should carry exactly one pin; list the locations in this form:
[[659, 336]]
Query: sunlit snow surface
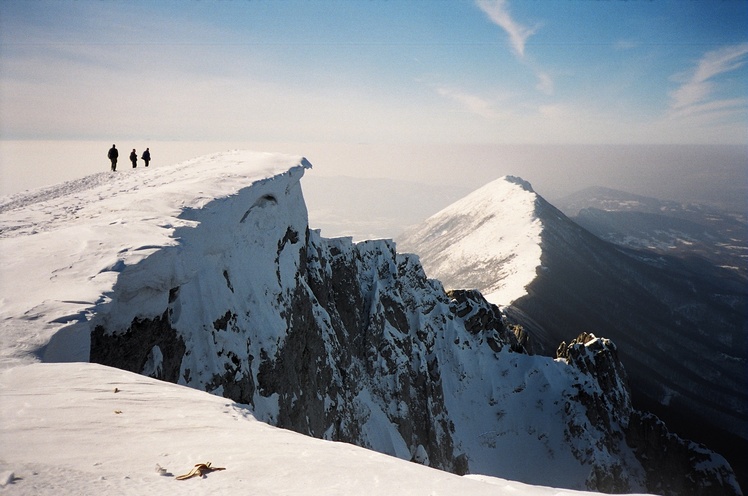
[[64, 430], [490, 240], [80, 428]]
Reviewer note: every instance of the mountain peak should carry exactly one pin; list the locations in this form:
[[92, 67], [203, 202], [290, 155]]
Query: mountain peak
[[489, 240], [572, 280], [518, 180]]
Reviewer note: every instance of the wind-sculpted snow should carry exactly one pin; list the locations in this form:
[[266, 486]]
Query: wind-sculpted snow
[[211, 278], [82, 428]]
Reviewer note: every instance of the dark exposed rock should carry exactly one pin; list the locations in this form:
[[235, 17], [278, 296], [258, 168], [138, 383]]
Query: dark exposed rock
[[306, 370], [234, 382], [132, 350], [523, 337], [480, 316], [607, 405], [222, 324], [688, 467]]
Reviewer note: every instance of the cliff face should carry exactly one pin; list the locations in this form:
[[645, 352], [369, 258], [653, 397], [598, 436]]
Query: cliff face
[[352, 342]]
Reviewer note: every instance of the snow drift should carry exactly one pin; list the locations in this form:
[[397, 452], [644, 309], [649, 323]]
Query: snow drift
[[71, 429]]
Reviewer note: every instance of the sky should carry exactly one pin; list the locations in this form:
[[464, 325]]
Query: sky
[[376, 71]]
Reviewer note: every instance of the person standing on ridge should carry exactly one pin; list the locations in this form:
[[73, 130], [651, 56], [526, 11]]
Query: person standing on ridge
[[146, 156], [113, 154], [134, 158]]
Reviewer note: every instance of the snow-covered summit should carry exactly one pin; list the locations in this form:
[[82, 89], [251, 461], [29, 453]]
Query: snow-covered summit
[[489, 240]]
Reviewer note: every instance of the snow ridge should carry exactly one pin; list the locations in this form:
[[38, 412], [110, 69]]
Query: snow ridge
[[78, 238]]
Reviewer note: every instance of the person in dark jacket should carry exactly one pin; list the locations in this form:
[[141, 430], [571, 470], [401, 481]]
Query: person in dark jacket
[[113, 154], [134, 158], [146, 156]]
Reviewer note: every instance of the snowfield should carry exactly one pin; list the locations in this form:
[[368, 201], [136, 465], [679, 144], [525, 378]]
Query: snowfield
[[76, 238], [82, 428], [79, 428], [89, 429]]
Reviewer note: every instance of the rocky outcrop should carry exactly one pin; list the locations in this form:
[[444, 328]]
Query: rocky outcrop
[[150, 346], [603, 396], [480, 316], [688, 468], [672, 466]]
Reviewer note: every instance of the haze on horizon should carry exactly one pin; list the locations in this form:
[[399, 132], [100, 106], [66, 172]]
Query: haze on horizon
[[445, 92]]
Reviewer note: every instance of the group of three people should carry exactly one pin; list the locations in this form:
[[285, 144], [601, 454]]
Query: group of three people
[[114, 153]]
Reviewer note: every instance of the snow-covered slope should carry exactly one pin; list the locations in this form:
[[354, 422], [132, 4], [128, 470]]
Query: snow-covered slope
[[205, 274], [681, 333], [70, 429]]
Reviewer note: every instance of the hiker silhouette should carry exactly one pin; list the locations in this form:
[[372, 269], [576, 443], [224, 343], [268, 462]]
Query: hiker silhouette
[[146, 156], [113, 154]]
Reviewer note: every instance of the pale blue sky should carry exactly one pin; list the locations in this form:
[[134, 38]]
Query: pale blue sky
[[376, 71]]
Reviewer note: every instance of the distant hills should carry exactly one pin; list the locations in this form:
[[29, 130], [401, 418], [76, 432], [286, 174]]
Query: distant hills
[[665, 227]]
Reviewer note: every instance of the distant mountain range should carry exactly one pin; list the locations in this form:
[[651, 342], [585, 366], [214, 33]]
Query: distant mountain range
[[678, 319], [685, 231]]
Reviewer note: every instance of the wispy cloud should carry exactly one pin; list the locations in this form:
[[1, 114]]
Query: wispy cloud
[[472, 103], [545, 83], [498, 12], [698, 86]]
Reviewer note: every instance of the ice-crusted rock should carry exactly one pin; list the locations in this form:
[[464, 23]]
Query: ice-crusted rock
[[599, 412], [353, 342]]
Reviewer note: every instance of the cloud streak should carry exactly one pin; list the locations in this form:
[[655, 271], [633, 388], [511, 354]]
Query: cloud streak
[[472, 103], [498, 12], [695, 93]]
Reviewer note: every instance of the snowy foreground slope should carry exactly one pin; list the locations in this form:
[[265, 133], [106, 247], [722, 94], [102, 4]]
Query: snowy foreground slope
[[64, 430], [205, 274]]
